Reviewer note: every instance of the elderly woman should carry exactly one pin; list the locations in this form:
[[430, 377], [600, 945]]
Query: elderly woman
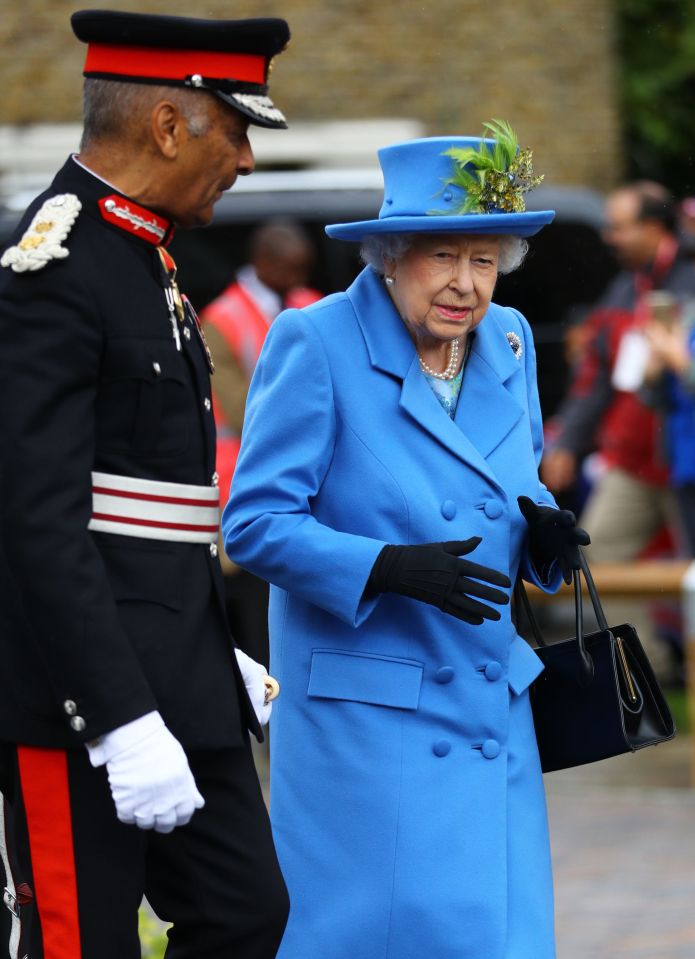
[[390, 431]]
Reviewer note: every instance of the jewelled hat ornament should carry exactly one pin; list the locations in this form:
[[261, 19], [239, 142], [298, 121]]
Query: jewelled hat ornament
[[454, 185]]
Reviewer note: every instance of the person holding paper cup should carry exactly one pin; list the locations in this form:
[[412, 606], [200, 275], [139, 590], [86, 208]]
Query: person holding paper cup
[[670, 387], [604, 411]]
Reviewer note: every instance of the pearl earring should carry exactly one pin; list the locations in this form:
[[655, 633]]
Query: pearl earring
[[388, 280]]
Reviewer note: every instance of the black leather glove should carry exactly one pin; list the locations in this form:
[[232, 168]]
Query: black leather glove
[[434, 574], [553, 534]]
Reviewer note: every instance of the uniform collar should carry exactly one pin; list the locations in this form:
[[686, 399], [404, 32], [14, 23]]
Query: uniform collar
[[105, 203]]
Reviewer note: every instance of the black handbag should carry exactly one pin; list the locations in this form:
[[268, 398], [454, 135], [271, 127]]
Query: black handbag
[[597, 696]]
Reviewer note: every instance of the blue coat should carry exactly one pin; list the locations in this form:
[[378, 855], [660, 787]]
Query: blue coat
[[680, 422], [406, 794]]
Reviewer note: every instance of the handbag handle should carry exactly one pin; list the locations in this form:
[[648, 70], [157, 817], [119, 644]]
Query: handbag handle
[[593, 593], [586, 662]]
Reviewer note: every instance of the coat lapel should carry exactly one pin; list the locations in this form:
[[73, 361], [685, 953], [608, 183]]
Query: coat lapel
[[487, 411], [388, 343], [491, 362], [419, 401]]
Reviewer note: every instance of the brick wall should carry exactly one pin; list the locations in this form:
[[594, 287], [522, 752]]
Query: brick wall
[[547, 67]]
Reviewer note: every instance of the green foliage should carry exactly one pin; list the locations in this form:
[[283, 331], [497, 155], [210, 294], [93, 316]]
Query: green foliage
[[483, 158], [494, 176], [657, 83]]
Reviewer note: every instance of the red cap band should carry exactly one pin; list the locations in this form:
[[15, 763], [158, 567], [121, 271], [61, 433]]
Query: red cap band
[[161, 64]]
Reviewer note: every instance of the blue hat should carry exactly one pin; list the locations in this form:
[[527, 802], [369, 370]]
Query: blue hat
[[420, 197]]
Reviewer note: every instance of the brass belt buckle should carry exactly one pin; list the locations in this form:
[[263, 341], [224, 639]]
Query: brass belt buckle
[[272, 689]]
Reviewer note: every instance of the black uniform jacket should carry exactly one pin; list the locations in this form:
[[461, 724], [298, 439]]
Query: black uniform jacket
[[100, 626]]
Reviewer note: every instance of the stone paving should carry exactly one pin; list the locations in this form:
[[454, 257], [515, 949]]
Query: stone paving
[[623, 835]]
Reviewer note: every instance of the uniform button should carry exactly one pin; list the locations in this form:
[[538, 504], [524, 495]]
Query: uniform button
[[491, 749], [493, 509], [70, 707], [186, 333], [157, 368], [78, 724], [207, 404], [448, 509], [215, 479], [493, 671], [213, 549], [442, 748], [444, 675]]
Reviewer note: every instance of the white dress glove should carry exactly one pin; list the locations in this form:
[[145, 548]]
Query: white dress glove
[[151, 783], [254, 676]]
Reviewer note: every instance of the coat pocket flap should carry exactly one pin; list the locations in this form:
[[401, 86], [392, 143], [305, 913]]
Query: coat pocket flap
[[365, 678], [524, 666]]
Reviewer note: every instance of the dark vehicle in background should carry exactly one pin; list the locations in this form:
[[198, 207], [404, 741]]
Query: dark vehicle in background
[[566, 270]]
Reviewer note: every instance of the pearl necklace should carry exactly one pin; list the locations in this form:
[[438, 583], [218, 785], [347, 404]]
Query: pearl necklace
[[451, 368]]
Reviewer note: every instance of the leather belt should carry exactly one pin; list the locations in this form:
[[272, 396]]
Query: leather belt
[[150, 509]]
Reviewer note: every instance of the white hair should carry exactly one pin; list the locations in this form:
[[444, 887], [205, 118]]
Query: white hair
[[111, 107], [380, 246]]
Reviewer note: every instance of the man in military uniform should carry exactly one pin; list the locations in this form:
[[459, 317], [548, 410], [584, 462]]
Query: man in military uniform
[[124, 707]]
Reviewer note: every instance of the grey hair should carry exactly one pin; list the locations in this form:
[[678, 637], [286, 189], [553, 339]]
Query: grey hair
[[384, 246], [378, 247], [111, 106]]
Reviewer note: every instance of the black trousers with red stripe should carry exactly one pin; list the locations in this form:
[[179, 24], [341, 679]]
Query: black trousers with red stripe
[[216, 879]]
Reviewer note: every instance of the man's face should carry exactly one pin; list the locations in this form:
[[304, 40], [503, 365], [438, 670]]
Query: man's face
[[632, 240], [209, 164], [286, 271]]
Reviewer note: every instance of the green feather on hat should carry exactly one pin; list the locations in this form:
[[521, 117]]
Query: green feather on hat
[[494, 177]]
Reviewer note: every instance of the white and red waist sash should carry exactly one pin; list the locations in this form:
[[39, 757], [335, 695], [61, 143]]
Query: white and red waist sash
[[151, 509]]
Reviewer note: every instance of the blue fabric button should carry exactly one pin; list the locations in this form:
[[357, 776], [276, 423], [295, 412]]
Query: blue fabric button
[[493, 509], [442, 748], [444, 675], [491, 749], [448, 509], [493, 671]]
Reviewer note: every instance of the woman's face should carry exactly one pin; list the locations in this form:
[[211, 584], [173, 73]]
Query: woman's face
[[443, 284]]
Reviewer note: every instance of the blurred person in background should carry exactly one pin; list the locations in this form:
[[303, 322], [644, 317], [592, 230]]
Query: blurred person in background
[[281, 258], [387, 487], [686, 223], [630, 501], [125, 707], [670, 388]]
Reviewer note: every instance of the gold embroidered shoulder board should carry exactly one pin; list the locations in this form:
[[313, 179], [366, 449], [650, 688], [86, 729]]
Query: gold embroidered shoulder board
[[42, 241]]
